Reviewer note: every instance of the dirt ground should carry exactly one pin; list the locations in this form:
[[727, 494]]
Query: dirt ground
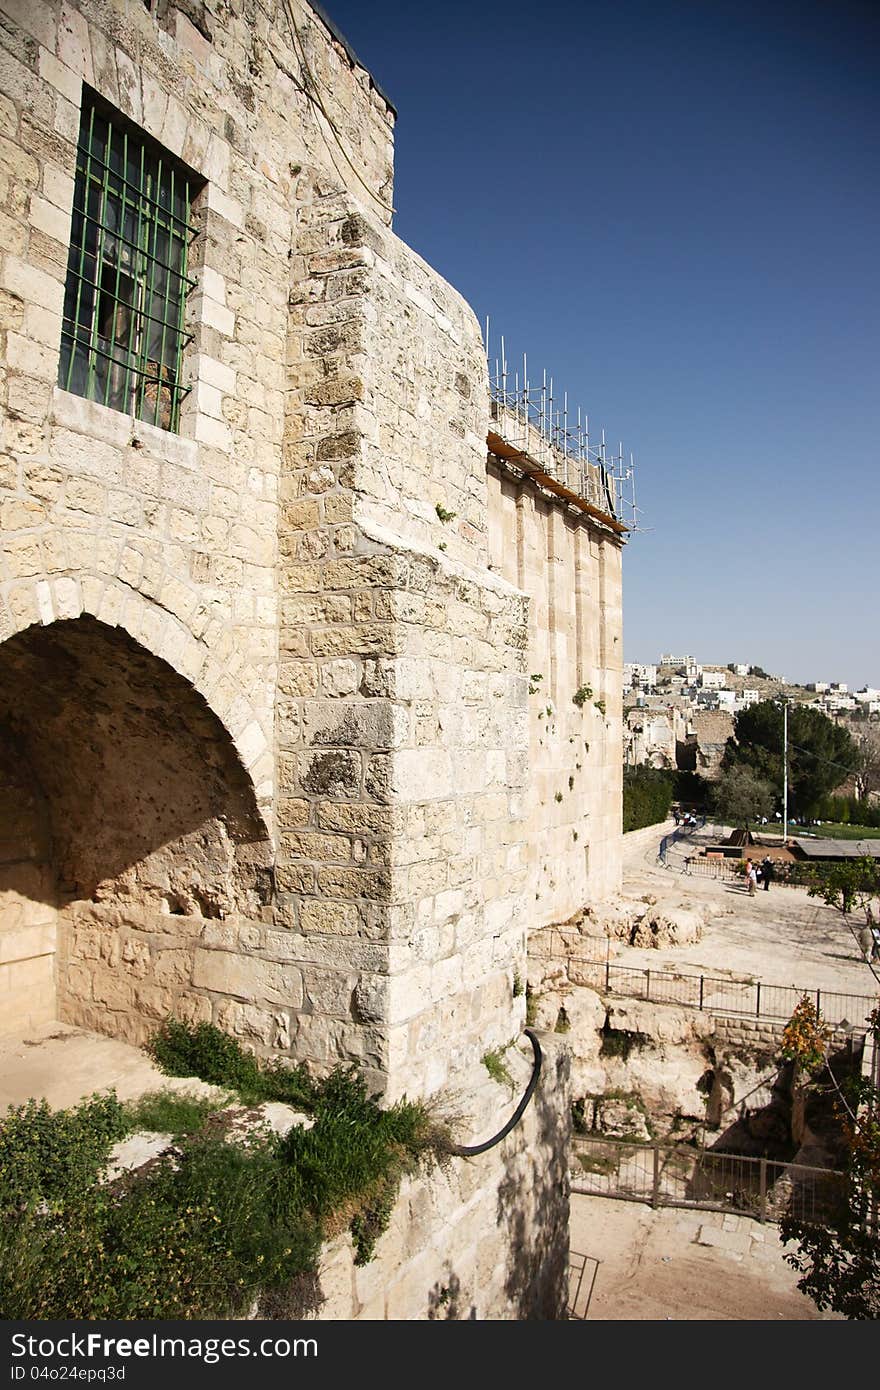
[[692, 1265]]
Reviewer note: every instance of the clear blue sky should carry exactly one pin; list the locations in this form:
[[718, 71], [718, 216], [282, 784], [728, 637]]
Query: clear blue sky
[[674, 208]]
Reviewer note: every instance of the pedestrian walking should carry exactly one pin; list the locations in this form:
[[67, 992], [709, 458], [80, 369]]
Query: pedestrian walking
[[766, 872], [751, 878]]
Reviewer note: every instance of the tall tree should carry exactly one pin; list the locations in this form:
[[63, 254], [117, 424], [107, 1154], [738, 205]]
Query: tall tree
[[838, 1258], [821, 754], [741, 797]]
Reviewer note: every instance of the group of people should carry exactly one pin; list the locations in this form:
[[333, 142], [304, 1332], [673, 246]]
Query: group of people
[[761, 873]]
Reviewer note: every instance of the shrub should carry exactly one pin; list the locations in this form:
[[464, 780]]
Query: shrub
[[647, 797], [51, 1156], [211, 1229], [202, 1050]]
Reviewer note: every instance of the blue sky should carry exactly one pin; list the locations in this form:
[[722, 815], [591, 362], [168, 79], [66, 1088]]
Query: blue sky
[[674, 208]]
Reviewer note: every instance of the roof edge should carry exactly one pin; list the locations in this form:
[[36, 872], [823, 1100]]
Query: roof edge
[[355, 61]]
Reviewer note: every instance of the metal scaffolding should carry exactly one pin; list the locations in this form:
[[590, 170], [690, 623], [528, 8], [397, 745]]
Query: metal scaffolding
[[536, 427]]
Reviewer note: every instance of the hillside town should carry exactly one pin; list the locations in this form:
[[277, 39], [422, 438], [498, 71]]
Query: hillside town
[[679, 713]]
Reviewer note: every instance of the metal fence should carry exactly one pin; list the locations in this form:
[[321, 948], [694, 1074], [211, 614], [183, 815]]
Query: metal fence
[[669, 1175], [582, 1271], [786, 874], [738, 998], [681, 832]]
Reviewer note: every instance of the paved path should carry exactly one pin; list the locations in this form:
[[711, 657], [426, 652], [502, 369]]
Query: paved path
[[781, 937]]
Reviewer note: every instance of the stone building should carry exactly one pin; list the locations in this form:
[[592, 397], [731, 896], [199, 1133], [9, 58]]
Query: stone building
[[705, 742], [271, 749]]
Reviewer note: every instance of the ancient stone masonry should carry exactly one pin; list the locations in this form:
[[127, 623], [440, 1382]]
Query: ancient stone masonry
[[266, 680], [308, 715]]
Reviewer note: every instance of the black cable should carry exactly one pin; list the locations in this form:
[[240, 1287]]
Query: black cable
[[469, 1151]]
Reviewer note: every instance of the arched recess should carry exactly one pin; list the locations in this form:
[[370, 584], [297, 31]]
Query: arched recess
[[129, 823], [206, 656]]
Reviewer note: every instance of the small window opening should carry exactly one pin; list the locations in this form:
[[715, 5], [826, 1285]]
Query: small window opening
[[123, 333]]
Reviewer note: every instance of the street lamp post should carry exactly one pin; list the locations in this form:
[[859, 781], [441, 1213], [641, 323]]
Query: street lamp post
[[784, 770], [783, 701]]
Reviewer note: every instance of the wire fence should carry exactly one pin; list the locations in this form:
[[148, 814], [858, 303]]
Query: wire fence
[[670, 1175]]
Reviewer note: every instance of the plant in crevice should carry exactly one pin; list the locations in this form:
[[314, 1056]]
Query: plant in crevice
[[496, 1066], [531, 1007]]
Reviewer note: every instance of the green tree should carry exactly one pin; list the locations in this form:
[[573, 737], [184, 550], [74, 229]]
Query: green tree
[[741, 796], [839, 1259], [647, 796], [821, 754], [851, 885]]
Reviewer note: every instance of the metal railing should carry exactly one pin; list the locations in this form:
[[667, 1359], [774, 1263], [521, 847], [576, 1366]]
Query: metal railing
[[582, 1271], [670, 1175], [679, 833], [737, 998]]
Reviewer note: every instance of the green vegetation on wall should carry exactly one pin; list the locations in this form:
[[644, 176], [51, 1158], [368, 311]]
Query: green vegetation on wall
[[211, 1228]]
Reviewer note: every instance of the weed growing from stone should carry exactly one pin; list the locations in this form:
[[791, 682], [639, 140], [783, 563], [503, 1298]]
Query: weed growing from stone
[[496, 1067], [164, 1112], [531, 1007], [206, 1052]]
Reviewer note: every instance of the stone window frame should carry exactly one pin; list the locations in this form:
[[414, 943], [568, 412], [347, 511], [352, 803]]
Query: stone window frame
[[123, 325]]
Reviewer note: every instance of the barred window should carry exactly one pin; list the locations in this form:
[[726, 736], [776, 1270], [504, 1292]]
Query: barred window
[[123, 336]]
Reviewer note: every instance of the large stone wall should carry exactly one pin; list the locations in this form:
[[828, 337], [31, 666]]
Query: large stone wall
[[169, 539], [27, 896], [265, 683], [441, 1258], [402, 714], [570, 566]]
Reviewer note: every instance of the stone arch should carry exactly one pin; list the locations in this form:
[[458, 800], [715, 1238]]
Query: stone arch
[[130, 822], [209, 659]]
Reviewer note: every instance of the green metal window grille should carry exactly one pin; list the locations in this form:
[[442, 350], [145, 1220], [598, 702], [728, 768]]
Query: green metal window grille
[[122, 336]]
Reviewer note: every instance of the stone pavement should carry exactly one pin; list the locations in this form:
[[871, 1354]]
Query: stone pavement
[[781, 937]]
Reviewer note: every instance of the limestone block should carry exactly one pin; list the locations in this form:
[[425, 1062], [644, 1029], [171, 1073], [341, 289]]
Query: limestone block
[[153, 1002], [333, 918], [247, 978], [193, 1009], [113, 993]]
